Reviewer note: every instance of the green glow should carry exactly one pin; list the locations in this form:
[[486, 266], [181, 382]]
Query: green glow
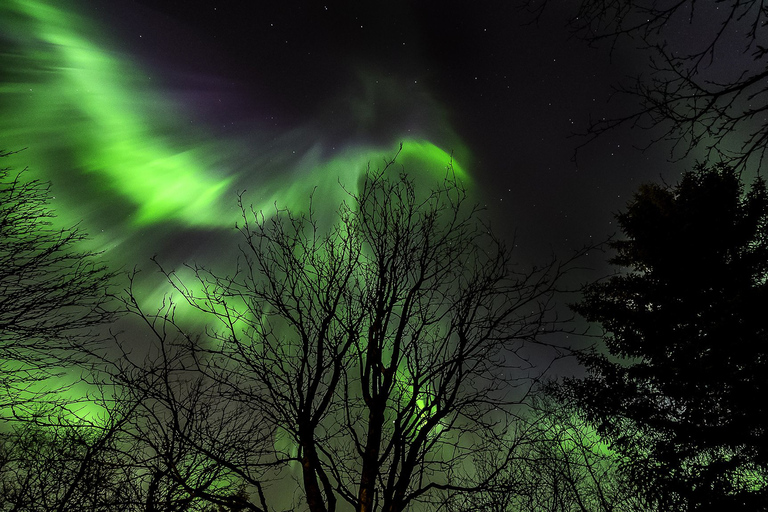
[[76, 408], [91, 121], [423, 154], [131, 166], [99, 104], [312, 174], [422, 405], [75, 102]]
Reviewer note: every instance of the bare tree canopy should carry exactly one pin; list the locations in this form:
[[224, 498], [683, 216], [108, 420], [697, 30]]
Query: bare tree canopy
[[559, 464], [382, 357], [705, 89], [52, 294]]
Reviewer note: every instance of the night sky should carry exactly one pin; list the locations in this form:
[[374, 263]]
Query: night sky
[[150, 117]]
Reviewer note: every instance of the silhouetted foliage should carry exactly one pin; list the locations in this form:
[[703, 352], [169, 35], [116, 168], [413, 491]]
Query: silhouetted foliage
[[677, 388], [193, 447], [52, 294], [66, 467], [98, 467], [382, 357], [559, 464]]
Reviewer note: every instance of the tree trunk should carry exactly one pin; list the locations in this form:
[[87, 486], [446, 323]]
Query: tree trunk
[[309, 462], [371, 457]]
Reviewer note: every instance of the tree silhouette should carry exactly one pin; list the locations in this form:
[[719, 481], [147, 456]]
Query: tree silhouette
[[705, 86], [101, 467], [675, 388], [559, 464], [386, 353], [67, 467], [192, 446], [52, 294]]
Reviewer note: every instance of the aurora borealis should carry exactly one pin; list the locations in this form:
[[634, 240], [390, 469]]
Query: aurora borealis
[[141, 148], [153, 119], [134, 166], [91, 107], [125, 156], [150, 125], [150, 118]]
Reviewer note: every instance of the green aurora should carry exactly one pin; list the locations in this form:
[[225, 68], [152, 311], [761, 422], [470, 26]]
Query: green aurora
[[133, 168], [125, 159]]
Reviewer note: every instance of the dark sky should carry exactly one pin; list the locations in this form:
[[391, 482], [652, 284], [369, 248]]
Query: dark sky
[[510, 90], [149, 117]]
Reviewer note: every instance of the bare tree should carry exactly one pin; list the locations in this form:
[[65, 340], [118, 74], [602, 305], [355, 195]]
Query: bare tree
[[385, 352], [53, 295], [141, 454], [53, 464], [705, 87], [559, 464], [54, 298], [195, 446]]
